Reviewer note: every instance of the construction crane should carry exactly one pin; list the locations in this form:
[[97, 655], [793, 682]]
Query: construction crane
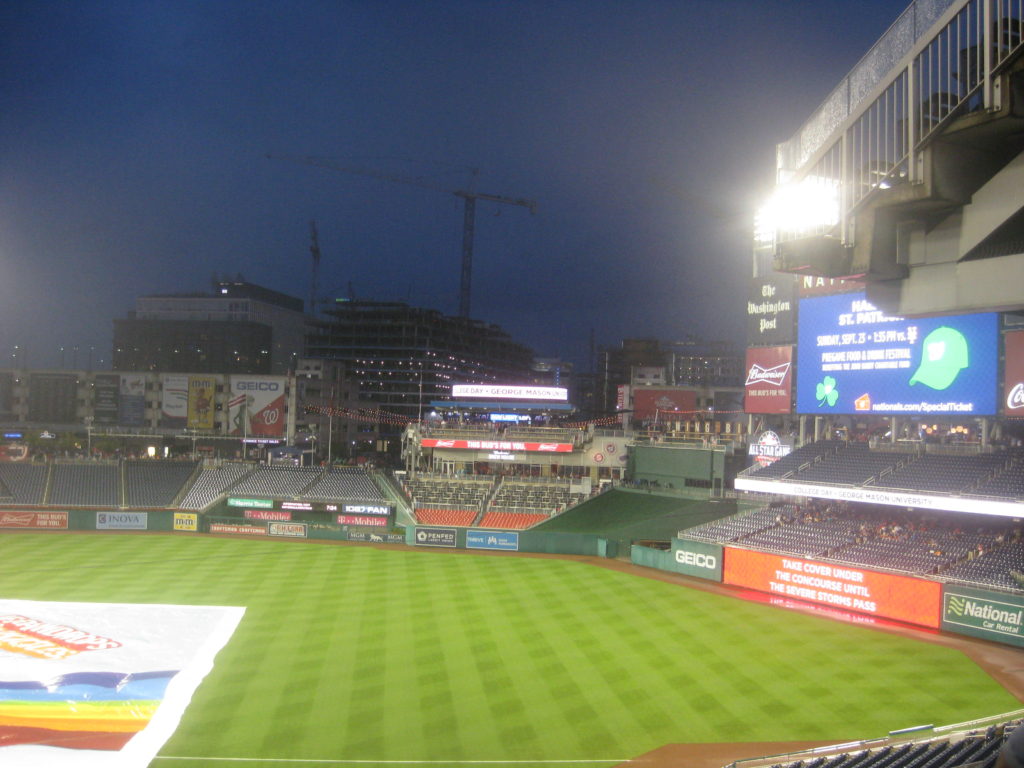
[[468, 197], [314, 251]]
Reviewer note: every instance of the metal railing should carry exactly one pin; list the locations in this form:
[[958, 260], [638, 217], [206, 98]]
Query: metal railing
[[938, 60]]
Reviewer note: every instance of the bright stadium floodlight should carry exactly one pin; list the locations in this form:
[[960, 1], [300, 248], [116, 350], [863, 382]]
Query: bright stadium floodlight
[[798, 209]]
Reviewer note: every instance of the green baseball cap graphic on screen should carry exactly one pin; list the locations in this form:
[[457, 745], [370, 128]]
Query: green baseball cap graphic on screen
[[943, 356]]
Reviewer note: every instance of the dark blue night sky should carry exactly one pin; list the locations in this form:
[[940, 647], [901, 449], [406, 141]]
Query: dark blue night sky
[[133, 138]]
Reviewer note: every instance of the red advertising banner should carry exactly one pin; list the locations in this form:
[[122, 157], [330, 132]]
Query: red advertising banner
[[497, 445], [13, 452], [24, 519], [886, 595], [378, 522], [1013, 376], [649, 400], [769, 385]]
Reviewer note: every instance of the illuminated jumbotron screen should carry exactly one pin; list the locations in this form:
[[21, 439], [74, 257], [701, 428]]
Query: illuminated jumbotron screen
[[854, 358]]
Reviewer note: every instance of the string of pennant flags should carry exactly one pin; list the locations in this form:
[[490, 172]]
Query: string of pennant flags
[[701, 411], [377, 416], [369, 415]]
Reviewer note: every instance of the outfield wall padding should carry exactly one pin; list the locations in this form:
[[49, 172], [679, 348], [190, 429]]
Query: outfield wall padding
[[120, 520], [449, 537]]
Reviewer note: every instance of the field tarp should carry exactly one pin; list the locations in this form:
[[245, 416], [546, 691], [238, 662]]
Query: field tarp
[[100, 685]]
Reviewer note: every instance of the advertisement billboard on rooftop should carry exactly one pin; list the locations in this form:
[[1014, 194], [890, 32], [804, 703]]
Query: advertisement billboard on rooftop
[[256, 406], [853, 358]]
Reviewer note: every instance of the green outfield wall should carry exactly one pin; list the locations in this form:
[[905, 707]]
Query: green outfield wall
[[450, 537], [87, 519]]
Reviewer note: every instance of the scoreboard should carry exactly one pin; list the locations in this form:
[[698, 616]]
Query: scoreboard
[[373, 514]]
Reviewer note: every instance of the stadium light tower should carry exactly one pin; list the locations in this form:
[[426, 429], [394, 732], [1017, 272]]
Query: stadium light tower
[[798, 209]]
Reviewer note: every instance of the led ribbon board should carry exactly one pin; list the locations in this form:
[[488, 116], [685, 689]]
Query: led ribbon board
[[885, 595]]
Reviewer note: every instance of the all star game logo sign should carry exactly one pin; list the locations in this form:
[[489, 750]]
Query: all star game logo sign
[[768, 449]]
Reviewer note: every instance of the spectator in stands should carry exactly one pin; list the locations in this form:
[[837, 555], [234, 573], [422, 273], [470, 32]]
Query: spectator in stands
[[1011, 755]]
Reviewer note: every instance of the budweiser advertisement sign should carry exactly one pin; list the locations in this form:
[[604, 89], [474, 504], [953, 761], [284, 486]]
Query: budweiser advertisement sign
[[10, 518], [1013, 375], [769, 384]]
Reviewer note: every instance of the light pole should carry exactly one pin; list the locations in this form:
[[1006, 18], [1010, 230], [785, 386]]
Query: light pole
[[88, 436], [419, 409], [330, 433]]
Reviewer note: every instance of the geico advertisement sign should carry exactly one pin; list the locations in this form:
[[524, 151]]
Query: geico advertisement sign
[[257, 386], [891, 596], [692, 558], [256, 406], [697, 558]]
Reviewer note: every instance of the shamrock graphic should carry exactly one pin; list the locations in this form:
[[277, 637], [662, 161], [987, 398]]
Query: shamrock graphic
[[826, 392]]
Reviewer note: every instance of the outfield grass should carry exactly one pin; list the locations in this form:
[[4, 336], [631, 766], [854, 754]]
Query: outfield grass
[[354, 653]]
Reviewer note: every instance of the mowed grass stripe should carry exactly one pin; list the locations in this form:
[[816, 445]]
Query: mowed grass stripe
[[350, 653]]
